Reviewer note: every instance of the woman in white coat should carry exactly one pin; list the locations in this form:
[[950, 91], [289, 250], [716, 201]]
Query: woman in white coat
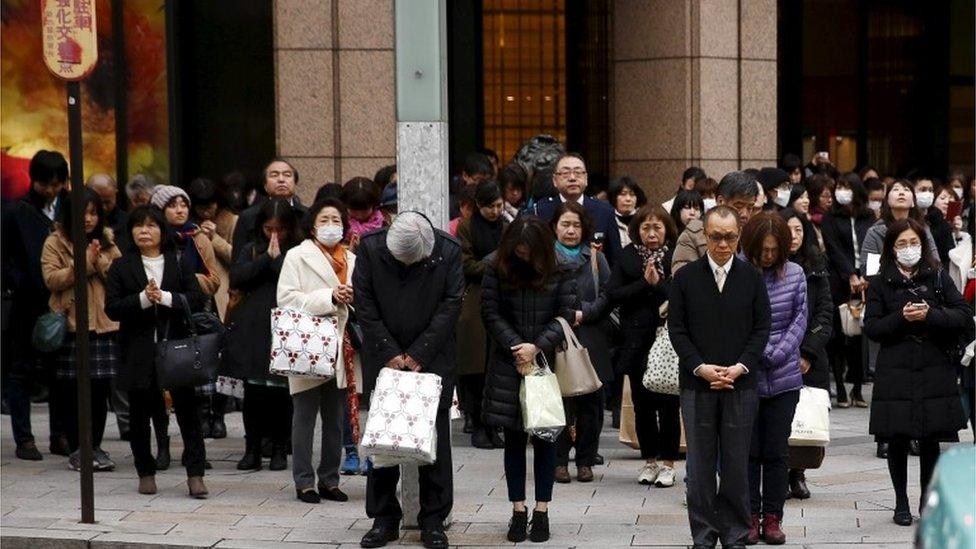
[[316, 277]]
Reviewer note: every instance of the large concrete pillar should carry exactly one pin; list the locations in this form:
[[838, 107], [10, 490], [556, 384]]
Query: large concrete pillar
[[693, 83]]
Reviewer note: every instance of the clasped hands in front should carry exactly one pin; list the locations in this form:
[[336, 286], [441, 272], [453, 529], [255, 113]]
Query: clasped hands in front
[[403, 362], [720, 378]]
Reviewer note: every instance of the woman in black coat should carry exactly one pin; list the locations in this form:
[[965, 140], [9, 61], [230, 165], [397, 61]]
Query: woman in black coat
[[820, 310], [844, 230], [639, 286], [145, 294], [523, 292], [591, 272], [917, 315], [254, 273]]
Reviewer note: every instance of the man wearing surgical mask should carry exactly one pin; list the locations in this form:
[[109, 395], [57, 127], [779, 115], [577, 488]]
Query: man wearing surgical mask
[[777, 185]]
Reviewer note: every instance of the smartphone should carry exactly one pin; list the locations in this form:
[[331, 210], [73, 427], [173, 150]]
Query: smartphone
[[954, 211], [824, 155]]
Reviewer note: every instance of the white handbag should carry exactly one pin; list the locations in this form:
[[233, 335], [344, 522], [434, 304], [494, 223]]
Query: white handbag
[[542, 404], [661, 375], [402, 422], [850, 316], [811, 421], [303, 344]]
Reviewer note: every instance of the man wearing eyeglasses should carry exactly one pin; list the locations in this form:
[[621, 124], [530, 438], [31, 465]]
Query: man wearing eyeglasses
[[569, 178], [739, 191], [719, 321], [280, 180]]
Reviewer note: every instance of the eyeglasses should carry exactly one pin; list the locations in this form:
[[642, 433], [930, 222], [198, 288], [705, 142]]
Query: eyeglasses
[[578, 172], [728, 238]]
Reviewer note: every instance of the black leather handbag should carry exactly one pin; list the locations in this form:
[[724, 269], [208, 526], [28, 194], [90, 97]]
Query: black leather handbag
[[190, 361]]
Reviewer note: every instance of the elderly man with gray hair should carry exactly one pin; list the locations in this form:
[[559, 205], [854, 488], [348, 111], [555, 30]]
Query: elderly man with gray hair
[[139, 190], [408, 288]]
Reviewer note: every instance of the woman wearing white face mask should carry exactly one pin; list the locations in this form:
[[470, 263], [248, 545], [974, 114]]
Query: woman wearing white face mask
[[316, 276], [915, 313], [926, 191]]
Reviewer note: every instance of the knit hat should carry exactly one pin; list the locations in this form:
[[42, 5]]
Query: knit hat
[[162, 194], [410, 238]]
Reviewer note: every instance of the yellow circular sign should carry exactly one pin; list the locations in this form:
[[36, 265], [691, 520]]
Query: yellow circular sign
[[70, 40]]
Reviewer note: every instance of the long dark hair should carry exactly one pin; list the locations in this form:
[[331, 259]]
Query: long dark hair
[[888, 256], [859, 199], [65, 216], [281, 210], [913, 213], [809, 250], [754, 234], [138, 216], [683, 199], [533, 233]]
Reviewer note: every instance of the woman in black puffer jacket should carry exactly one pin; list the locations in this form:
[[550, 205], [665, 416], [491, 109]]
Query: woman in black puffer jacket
[[523, 292]]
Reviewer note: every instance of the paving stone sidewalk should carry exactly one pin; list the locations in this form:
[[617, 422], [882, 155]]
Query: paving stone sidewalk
[[851, 505]]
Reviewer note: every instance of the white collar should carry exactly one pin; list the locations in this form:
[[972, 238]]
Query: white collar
[[580, 200], [715, 266]]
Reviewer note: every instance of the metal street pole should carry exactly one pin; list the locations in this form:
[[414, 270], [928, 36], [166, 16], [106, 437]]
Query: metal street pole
[[79, 246]]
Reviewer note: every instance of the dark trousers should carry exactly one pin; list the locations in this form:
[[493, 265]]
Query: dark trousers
[[718, 425], [769, 454], [846, 353], [586, 411], [267, 414], [436, 485], [657, 421], [544, 464], [20, 383], [143, 404], [120, 405], [471, 392], [101, 390]]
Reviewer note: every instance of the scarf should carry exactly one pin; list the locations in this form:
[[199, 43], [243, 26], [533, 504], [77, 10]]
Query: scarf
[[623, 219], [648, 255], [337, 258], [183, 237], [360, 228], [485, 235], [571, 253]]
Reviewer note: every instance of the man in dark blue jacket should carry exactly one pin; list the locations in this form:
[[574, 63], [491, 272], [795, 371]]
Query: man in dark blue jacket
[[569, 178]]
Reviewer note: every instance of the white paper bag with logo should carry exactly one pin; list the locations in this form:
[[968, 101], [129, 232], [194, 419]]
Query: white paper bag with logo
[[811, 421], [542, 403], [303, 344], [402, 422]]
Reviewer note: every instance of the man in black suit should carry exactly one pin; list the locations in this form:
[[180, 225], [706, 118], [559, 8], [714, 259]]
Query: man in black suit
[[719, 320], [569, 178], [280, 180]]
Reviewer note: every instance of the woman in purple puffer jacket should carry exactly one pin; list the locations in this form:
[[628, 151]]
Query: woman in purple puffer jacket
[[766, 244]]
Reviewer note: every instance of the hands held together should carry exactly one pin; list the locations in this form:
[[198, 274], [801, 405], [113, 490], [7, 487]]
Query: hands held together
[[153, 293], [403, 362], [720, 378], [524, 354]]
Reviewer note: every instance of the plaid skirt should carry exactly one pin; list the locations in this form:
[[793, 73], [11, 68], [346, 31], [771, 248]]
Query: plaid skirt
[[104, 356]]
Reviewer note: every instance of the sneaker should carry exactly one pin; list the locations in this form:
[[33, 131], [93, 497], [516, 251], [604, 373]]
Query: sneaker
[[102, 461], [351, 465], [665, 477], [74, 461], [648, 473]]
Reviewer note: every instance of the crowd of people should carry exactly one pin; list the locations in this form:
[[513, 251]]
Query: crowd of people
[[743, 276]]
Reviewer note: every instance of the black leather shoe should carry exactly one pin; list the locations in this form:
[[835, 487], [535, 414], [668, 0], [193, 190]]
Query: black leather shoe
[[59, 446], [333, 494], [28, 451], [598, 460], [798, 484], [434, 538], [218, 429], [480, 439], [902, 518], [251, 460], [882, 451], [279, 459], [308, 496], [380, 535]]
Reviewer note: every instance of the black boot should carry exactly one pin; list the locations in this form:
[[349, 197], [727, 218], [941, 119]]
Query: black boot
[[496, 438], [517, 526], [480, 439], [252, 458], [798, 484], [540, 526], [206, 429], [882, 451], [279, 459], [162, 452], [218, 429], [468, 425]]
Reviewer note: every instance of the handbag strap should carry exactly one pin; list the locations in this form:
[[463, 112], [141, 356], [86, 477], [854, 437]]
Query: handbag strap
[[189, 318], [568, 333], [595, 271]]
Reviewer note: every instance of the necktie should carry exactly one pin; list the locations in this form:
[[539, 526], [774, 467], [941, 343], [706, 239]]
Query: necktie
[[720, 278]]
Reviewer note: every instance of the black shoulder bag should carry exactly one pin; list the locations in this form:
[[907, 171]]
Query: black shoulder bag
[[191, 361]]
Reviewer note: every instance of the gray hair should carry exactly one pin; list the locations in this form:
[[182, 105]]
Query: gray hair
[[139, 184], [410, 238], [738, 184], [99, 180]]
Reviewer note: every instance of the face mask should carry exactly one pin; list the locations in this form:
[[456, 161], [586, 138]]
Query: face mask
[[844, 196], [925, 199], [709, 203], [910, 256], [782, 198], [329, 235], [875, 205], [958, 191]]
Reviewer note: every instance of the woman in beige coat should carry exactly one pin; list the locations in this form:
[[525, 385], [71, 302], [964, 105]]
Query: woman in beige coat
[[217, 223], [316, 277], [58, 270]]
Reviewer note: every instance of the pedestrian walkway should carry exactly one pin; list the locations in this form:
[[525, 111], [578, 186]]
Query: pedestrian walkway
[[851, 505]]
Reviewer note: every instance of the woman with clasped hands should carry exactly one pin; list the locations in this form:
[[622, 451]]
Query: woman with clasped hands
[[316, 277], [523, 292]]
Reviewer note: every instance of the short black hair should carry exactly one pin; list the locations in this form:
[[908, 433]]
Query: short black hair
[[308, 221], [139, 216], [486, 193], [693, 172], [465, 196], [618, 185], [294, 170], [542, 186], [791, 162], [477, 164], [738, 183], [586, 222], [329, 190], [651, 211], [47, 166], [384, 175], [359, 193], [490, 154], [202, 192], [512, 174]]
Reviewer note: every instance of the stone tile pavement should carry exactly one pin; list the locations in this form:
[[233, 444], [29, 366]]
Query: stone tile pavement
[[39, 501]]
